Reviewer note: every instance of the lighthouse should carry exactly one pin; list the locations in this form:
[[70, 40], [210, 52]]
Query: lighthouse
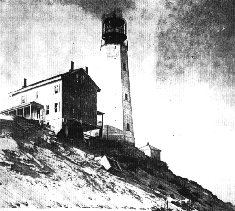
[[115, 97]]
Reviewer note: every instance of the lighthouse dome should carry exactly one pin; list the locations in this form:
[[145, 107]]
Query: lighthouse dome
[[114, 30]]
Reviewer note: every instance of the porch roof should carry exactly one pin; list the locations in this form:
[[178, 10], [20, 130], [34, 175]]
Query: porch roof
[[33, 104], [100, 113]]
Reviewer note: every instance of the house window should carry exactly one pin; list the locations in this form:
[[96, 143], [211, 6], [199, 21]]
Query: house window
[[38, 113], [47, 109], [77, 77], [126, 97], [128, 127], [23, 99], [57, 107], [56, 89], [82, 78], [36, 94]]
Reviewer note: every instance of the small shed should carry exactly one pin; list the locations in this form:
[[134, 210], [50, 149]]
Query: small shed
[[151, 151]]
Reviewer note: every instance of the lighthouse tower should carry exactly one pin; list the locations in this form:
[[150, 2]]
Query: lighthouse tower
[[115, 96]]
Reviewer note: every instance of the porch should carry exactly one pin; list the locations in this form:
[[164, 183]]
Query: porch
[[32, 110]]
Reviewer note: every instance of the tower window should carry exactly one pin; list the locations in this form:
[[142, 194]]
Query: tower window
[[72, 111], [36, 94], [126, 97], [128, 127], [124, 66], [47, 109]]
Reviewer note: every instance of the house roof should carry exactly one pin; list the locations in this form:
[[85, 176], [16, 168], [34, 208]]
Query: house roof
[[37, 84], [150, 146], [50, 80]]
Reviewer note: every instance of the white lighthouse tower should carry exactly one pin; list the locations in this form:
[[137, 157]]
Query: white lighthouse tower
[[115, 96]]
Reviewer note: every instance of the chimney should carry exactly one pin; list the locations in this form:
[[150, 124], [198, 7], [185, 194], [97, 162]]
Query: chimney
[[86, 70], [25, 83], [72, 66]]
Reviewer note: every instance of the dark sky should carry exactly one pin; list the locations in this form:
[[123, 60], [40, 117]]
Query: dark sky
[[199, 30], [98, 7]]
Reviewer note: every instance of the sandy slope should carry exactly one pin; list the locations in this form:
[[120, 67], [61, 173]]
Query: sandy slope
[[39, 170], [74, 179]]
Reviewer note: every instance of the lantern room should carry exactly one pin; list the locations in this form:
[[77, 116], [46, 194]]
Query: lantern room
[[114, 29]]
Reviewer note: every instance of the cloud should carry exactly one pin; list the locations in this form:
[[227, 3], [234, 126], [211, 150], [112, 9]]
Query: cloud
[[98, 7]]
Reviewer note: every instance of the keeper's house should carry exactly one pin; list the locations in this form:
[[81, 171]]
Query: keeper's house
[[58, 100]]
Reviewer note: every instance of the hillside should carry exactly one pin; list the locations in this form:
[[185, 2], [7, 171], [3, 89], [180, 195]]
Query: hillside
[[38, 169]]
